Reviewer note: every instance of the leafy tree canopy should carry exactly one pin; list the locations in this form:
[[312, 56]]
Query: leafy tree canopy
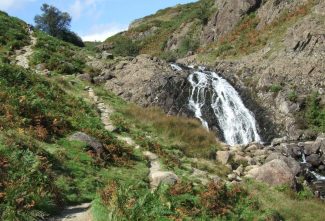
[[57, 23]]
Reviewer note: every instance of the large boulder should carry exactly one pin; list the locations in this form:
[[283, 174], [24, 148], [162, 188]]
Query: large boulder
[[314, 160], [319, 144], [91, 142], [275, 172], [310, 147], [291, 162]]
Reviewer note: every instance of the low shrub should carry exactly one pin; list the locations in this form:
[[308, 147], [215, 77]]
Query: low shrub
[[275, 88], [124, 46], [57, 55], [14, 33], [292, 96], [315, 113]]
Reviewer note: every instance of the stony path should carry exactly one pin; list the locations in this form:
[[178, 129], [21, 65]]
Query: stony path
[[22, 58], [75, 213], [105, 111], [156, 174]]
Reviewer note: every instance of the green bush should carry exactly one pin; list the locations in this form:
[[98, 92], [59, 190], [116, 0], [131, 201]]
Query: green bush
[[169, 56], [124, 46], [315, 113], [188, 44], [57, 55], [275, 88], [14, 33], [292, 96]]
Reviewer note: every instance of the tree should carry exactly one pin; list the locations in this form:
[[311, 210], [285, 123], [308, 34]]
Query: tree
[[57, 23]]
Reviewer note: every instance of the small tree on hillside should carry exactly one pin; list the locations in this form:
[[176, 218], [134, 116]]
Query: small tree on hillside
[[57, 23]]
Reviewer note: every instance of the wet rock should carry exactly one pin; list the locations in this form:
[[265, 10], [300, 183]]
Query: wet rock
[[277, 141], [314, 160], [275, 172], [322, 158]]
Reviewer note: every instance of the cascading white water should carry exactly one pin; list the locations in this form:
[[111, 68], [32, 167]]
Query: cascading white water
[[197, 97], [234, 119], [318, 176]]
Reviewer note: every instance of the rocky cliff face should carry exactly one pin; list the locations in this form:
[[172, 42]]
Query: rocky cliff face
[[229, 13]]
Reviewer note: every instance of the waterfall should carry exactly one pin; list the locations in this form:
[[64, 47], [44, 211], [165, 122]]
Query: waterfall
[[197, 97], [234, 119], [318, 176]]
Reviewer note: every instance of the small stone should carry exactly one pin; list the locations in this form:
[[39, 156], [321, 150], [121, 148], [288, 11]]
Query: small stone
[[223, 156], [150, 156], [231, 177], [162, 177]]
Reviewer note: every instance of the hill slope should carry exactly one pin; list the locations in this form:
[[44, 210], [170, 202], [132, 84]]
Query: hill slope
[[271, 51], [55, 149]]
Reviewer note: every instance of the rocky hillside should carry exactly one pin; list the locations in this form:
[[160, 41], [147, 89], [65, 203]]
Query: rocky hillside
[[271, 51], [72, 149]]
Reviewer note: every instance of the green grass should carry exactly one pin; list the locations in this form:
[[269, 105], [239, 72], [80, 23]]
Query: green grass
[[289, 207], [275, 88], [58, 56], [181, 133], [41, 171], [13, 36], [315, 113], [168, 21]]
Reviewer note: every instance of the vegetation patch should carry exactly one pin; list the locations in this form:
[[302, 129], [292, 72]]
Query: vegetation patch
[[57, 56], [186, 134], [153, 32], [13, 36]]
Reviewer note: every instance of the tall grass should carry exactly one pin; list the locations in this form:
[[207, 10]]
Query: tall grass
[[186, 133]]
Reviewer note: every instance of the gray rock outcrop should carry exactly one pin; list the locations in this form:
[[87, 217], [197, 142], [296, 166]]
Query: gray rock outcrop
[[275, 172]]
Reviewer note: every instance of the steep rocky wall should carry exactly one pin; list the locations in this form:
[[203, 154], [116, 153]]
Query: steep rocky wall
[[229, 13]]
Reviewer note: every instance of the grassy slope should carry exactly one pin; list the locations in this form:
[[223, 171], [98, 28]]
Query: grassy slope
[[166, 22], [41, 170], [13, 35]]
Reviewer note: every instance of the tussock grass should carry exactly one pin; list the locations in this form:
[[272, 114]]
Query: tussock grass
[[289, 208], [186, 133]]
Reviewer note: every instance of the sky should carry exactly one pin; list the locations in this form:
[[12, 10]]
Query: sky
[[91, 19]]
